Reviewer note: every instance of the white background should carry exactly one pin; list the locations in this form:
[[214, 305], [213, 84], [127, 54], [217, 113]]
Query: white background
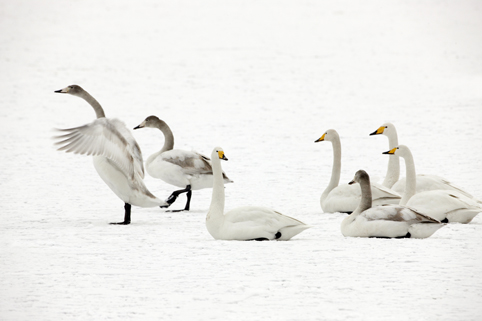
[[263, 79]]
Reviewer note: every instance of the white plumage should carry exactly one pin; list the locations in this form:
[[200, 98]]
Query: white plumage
[[444, 205], [345, 198], [247, 222], [187, 169], [390, 221], [117, 156]]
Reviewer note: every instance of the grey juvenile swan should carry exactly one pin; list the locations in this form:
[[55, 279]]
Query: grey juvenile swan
[[181, 168], [117, 156]]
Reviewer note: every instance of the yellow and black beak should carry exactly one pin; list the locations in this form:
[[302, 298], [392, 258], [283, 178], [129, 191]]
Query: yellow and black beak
[[322, 138], [379, 131], [222, 156], [391, 151]]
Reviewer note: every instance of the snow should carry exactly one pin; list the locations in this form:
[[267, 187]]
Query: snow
[[262, 79]]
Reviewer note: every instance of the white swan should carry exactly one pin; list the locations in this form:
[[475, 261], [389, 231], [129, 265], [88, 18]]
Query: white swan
[[345, 198], [248, 222], [117, 157], [424, 182], [390, 221], [443, 205], [393, 170], [187, 169]]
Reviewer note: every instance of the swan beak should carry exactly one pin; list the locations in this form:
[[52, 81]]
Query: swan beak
[[391, 151], [63, 91], [222, 156], [351, 182], [322, 138], [141, 125], [378, 131]]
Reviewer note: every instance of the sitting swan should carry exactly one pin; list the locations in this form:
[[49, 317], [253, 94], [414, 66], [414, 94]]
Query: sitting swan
[[424, 182], [181, 168], [345, 198], [245, 223], [390, 221], [443, 205], [117, 157]]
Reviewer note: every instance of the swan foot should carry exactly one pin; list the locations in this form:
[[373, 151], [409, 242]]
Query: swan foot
[[127, 215]]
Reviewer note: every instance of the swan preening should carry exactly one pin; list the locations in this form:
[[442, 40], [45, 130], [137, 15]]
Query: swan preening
[[345, 198], [444, 205], [390, 221], [245, 223], [187, 169], [117, 156], [424, 182]]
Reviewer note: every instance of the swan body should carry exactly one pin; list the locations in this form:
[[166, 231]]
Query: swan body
[[345, 198], [187, 169], [443, 205], [390, 221], [247, 222], [424, 182], [116, 155]]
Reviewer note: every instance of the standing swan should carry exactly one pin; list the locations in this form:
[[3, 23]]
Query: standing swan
[[391, 221], [424, 182], [181, 168], [345, 198], [245, 223], [117, 157], [443, 205]]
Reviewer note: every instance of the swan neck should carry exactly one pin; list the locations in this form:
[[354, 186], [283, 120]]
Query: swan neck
[[168, 136], [336, 169], [216, 210], [366, 197], [411, 179], [99, 111], [393, 170]]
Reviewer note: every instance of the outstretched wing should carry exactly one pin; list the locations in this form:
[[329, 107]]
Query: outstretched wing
[[105, 137]]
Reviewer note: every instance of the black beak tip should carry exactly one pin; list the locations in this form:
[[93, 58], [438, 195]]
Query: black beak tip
[[58, 91], [386, 152], [374, 133], [137, 127]]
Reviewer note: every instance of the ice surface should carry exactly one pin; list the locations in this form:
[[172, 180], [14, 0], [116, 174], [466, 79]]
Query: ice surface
[[262, 79]]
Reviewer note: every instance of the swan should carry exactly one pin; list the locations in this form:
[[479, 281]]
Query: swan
[[424, 182], [245, 223], [345, 198], [390, 221], [187, 169], [117, 156], [393, 170], [443, 205]]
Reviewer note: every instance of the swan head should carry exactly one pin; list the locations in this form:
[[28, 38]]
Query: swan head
[[151, 121], [384, 129], [218, 152], [401, 150], [330, 135], [360, 176], [75, 90]]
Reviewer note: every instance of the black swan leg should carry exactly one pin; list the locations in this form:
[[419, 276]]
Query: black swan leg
[[127, 215], [172, 198]]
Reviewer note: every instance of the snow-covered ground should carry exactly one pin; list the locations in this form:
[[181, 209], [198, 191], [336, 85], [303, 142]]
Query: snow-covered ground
[[263, 79]]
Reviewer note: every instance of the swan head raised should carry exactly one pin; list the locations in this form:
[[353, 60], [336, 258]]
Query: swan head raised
[[72, 89], [151, 121], [384, 129], [400, 150], [218, 152], [330, 135], [360, 176]]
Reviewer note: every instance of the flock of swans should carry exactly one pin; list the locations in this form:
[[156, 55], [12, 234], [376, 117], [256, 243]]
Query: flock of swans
[[398, 208]]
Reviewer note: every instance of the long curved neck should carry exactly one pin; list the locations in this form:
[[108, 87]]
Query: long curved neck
[[336, 169], [168, 136], [99, 111], [366, 197], [216, 210], [393, 171], [411, 179]]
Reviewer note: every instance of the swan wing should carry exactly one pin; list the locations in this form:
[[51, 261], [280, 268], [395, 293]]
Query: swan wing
[[105, 137], [397, 214]]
